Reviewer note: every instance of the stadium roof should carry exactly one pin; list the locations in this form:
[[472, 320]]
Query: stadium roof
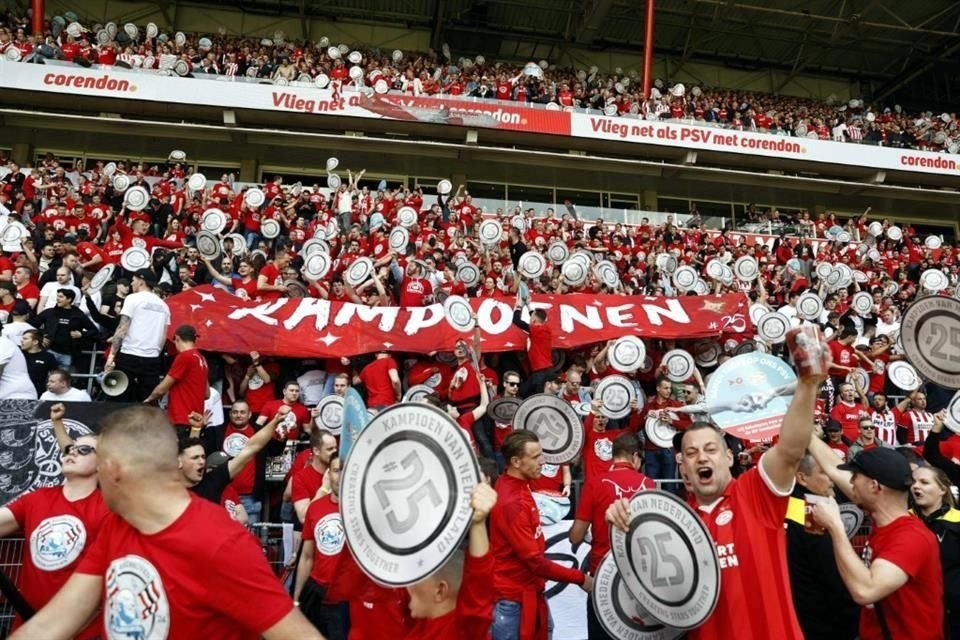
[[889, 44]]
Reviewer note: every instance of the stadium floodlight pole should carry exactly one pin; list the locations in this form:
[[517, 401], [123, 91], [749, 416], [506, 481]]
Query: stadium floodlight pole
[[647, 49], [36, 20]]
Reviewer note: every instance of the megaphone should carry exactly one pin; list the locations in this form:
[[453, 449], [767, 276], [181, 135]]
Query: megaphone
[[114, 383]]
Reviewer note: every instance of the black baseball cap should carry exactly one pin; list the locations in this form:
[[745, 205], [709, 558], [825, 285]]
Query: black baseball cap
[[147, 275], [886, 466]]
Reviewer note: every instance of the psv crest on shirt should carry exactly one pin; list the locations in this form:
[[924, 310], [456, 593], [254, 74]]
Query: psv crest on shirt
[[137, 606]]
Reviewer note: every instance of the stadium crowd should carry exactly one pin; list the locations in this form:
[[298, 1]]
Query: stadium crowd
[[432, 73]]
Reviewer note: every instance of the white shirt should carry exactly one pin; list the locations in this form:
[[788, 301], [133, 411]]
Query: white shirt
[[149, 319], [213, 407], [345, 201], [15, 330], [70, 395], [311, 386], [884, 329], [15, 383], [48, 294]]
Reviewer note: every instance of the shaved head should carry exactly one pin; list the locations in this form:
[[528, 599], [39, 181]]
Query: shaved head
[[140, 439]]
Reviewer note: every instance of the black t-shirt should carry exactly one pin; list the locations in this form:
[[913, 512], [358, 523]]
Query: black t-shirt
[[39, 365], [213, 483]]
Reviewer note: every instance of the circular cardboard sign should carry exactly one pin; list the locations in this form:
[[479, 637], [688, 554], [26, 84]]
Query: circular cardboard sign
[[197, 182], [852, 517], [574, 272], [213, 220], [316, 265], [679, 365], [314, 245], [136, 199], [502, 410], [330, 414], [627, 354], [270, 228], [773, 327], [706, 352], [458, 313], [295, 288], [934, 280], [416, 393], [929, 329], [685, 278], [490, 232], [715, 269], [823, 270], [876, 228], [558, 252], [407, 216], [810, 306], [606, 272], [666, 263], [667, 560], [700, 287], [746, 268], [332, 163], [858, 375], [531, 265], [406, 484], [120, 182], [862, 303], [555, 422], [952, 419], [618, 611], [932, 242], [358, 272], [444, 187], [615, 394], [109, 169], [468, 274], [254, 197], [135, 258], [102, 277], [208, 245], [903, 375], [399, 239], [239, 244], [895, 233], [748, 395], [659, 433]]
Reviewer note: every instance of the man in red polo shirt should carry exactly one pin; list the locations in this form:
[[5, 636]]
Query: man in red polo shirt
[[622, 479], [299, 416], [187, 382], [145, 569], [382, 380], [744, 516], [520, 565]]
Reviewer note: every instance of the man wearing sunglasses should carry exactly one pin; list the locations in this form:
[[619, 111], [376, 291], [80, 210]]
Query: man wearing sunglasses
[[57, 521]]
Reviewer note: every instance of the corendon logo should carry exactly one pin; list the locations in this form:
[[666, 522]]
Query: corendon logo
[[510, 116], [104, 82], [946, 164]]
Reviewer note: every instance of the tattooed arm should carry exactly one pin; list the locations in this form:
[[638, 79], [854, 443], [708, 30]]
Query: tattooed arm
[[116, 342]]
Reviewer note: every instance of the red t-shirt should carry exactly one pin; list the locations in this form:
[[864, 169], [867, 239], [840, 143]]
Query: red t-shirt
[[272, 274], [152, 586], [298, 415], [473, 616], [233, 441], [840, 449], [848, 415], [306, 482], [323, 526], [189, 391], [843, 355], [469, 386], [550, 480], [414, 291], [376, 378], [914, 610], [518, 546], [540, 352], [597, 449], [56, 531], [746, 525], [260, 392], [621, 481]]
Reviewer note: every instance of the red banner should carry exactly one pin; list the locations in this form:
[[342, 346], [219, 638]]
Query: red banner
[[308, 327]]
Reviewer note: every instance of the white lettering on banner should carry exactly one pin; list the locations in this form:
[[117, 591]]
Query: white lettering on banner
[[388, 315], [590, 319], [261, 312], [674, 311], [485, 316], [619, 317], [307, 307], [419, 321]]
